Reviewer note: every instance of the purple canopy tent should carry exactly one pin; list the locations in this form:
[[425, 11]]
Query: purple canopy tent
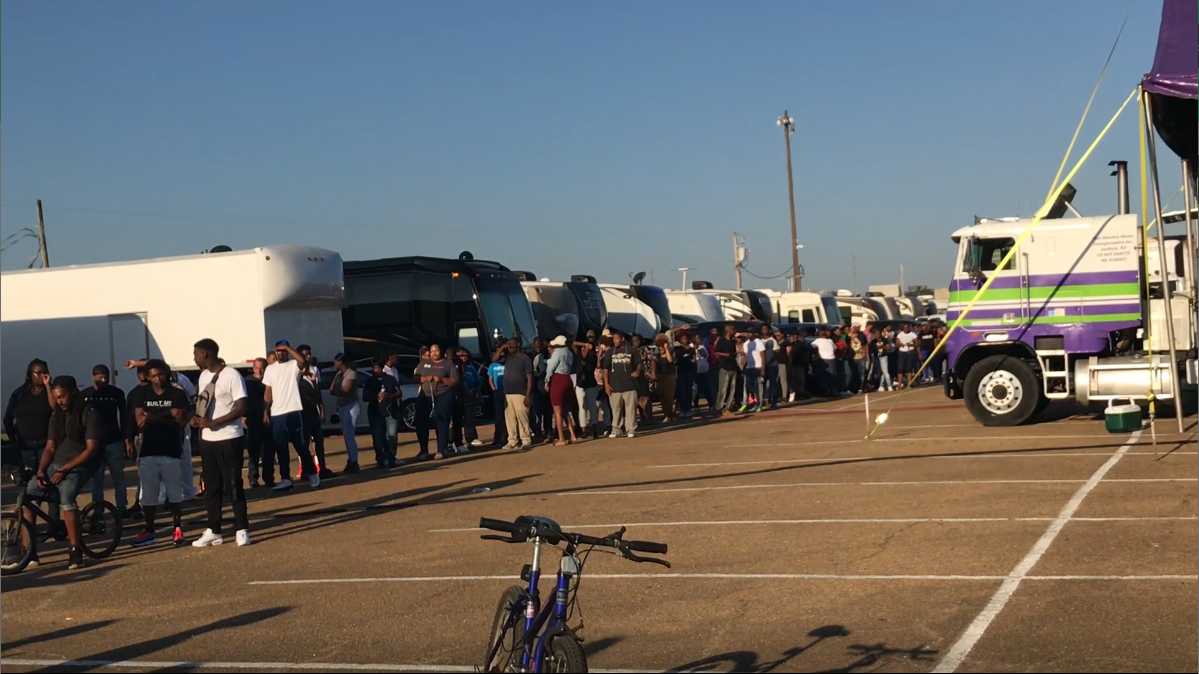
[[1171, 84]]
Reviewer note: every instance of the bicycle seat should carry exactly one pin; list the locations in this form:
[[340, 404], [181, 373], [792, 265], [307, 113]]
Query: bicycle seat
[[540, 527]]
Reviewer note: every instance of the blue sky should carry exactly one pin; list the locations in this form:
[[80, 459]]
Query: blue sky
[[551, 137]]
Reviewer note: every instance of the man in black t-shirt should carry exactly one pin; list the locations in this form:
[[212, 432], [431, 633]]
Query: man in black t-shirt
[[622, 368], [108, 402], [161, 415], [725, 351]]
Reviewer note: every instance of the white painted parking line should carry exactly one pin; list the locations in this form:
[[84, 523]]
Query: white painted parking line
[[974, 632], [167, 665], [1045, 454], [840, 520], [930, 438], [880, 483], [736, 576]]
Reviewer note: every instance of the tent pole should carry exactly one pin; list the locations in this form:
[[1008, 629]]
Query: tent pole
[[1167, 295]]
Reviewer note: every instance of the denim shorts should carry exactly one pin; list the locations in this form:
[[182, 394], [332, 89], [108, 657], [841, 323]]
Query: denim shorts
[[64, 492]]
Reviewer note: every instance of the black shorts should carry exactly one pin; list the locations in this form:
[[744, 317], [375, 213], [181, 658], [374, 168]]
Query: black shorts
[[908, 362]]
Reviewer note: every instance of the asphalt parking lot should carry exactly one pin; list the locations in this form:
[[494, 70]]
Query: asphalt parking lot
[[796, 545]]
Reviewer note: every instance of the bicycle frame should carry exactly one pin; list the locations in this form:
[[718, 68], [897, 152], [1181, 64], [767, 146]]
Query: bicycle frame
[[542, 623]]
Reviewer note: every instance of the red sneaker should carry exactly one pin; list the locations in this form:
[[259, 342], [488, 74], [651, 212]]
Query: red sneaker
[[145, 537], [177, 537]]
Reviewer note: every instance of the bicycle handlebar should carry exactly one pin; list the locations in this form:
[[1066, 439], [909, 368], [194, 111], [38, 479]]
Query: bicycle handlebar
[[526, 527]]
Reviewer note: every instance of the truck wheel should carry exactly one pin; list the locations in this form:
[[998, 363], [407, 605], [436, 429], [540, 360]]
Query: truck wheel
[[1002, 391]]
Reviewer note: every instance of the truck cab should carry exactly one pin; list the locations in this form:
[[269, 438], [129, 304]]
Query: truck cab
[[1064, 318]]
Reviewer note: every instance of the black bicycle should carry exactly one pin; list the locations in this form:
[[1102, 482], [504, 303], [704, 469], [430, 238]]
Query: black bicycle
[[99, 527], [527, 637]]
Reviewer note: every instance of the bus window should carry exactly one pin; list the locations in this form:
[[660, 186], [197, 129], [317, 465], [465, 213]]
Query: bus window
[[809, 316], [468, 338], [792, 316]]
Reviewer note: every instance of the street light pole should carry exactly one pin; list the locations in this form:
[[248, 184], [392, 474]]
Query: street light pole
[[684, 270], [788, 125]]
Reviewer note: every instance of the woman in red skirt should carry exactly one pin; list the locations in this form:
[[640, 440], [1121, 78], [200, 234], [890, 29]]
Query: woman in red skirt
[[561, 387]]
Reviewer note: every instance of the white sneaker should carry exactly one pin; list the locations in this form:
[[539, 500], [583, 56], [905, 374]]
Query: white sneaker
[[207, 539], [282, 486], [613, 434], [511, 446], [314, 480], [476, 443], [630, 435], [243, 537]]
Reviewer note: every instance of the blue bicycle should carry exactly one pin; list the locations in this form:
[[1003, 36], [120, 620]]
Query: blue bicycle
[[527, 637]]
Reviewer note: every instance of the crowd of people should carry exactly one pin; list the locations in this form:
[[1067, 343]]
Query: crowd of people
[[562, 391]]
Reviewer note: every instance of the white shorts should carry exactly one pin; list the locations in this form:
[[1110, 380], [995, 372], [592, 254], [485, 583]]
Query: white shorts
[[157, 474]]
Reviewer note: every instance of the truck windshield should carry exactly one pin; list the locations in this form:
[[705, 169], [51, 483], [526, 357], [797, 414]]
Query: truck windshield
[[506, 309]]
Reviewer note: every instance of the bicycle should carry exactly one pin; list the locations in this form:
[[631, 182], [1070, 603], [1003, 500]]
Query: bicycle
[[100, 527], [528, 637]]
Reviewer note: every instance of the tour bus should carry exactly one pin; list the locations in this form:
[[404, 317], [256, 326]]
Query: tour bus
[[565, 308], [398, 304], [629, 302]]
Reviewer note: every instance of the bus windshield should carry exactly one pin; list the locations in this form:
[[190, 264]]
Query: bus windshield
[[506, 310], [832, 310], [655, 297]]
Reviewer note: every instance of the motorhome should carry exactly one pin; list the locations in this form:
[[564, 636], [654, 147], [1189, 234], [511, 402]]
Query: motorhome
[[627, 313], [803, 307], [689, 306], [565, 308], [396, 305], [856, 311], [75, 317], [739, 305]]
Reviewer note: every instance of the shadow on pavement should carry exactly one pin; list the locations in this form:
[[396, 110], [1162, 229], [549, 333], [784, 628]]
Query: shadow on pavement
[[749, 661], [56, 573], [150, 646], [57, 634]]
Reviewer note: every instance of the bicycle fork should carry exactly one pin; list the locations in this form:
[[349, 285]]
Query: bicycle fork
[[535, 619]]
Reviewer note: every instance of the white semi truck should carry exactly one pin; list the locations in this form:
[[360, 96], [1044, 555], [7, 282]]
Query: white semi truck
[[1067, 318], [75, 317]]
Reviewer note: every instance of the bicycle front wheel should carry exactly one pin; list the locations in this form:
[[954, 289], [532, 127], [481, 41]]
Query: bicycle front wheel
[[565, 654], [16, 542], [99, 529], [505, 641]]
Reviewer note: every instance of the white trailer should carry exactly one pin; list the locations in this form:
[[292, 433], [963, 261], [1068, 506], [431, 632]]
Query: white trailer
[[804, 307], [78, 316]]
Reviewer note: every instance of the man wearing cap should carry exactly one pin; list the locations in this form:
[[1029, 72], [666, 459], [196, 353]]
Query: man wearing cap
[[285, 409], [108, 402]]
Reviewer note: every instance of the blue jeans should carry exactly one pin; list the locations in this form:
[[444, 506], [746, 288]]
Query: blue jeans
[[349, 427], [113, 456], [289, 428], [443, 413], [65, 493], [684, 393]]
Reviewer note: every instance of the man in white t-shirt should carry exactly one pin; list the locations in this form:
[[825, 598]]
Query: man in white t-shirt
[[826, 348], [285, 409], [754, 361], [908, 363], [220, 406]]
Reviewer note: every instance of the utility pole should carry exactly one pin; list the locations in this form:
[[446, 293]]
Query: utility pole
[[41, 236], [738, 257], [788, 125]]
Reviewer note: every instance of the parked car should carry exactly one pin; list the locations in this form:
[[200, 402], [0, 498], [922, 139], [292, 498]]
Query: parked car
[[408, 386]]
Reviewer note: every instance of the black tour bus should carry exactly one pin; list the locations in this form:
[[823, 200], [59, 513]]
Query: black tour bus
[[398, 304]]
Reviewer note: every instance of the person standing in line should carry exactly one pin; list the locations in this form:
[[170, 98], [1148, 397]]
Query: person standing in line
[[754, 361], [622, 369], [725, 352], [826, 350], [27, 414], [799, 355], [541, 418], [881, 350], [344, 389], [703, 375], [768, 386], [466, 402], [560, 387], [191, 439], [927, 341], [392, 367], [782, 376], [313, 409], [258, 436], [424, 410], [438, 377], [587, 388], [906, 341], [518, 390], [684, 356], [379, 392], [160, 414], [666, 377], [282, 380], [108, 402], [857, 361], [647, 381], [603, 344], [219, 409], [495, 380]]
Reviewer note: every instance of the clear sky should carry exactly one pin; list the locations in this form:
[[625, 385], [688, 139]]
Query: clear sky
[[557, 137]]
